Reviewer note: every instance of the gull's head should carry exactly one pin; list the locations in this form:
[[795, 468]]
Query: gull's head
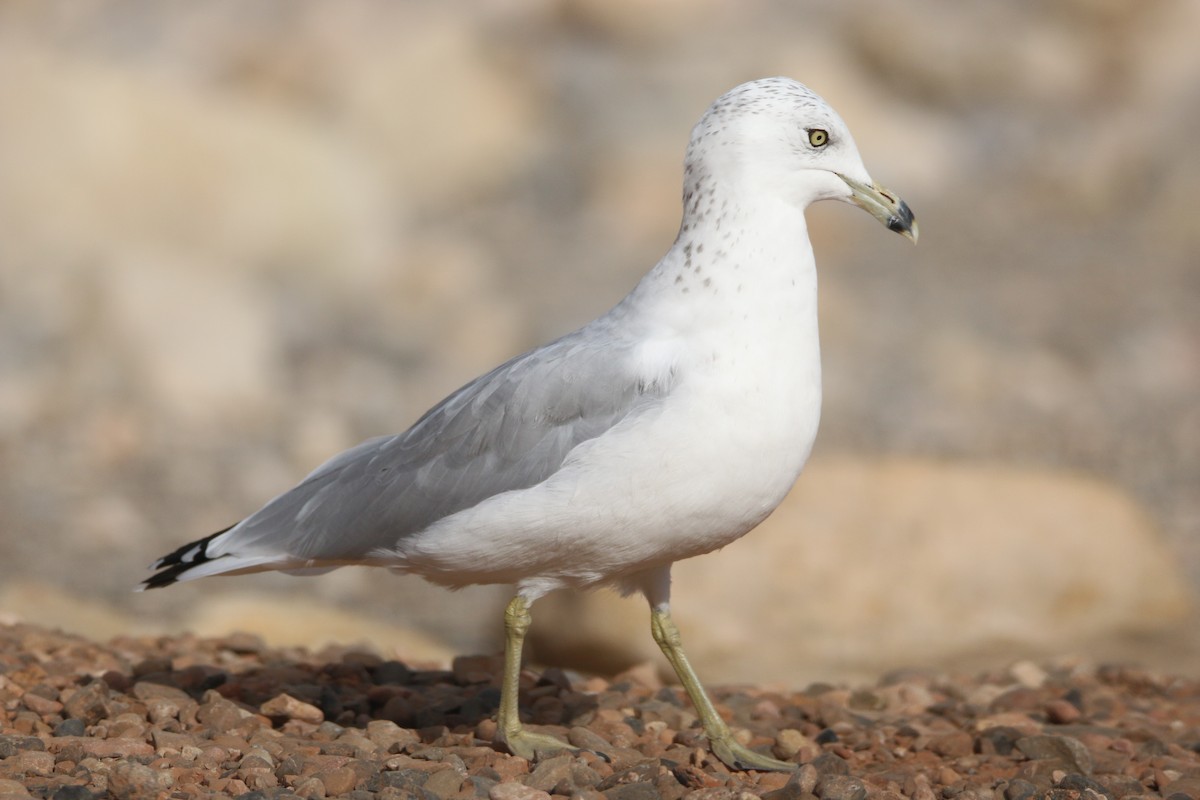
[[777, 137]]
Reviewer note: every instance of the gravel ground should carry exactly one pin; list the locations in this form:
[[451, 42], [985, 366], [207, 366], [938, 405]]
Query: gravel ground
[[185, 717]]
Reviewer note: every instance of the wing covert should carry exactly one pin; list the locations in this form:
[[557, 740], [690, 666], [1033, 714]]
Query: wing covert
[[508, 429]]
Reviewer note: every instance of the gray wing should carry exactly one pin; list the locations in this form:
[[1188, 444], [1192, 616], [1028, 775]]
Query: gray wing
[[509, 429]]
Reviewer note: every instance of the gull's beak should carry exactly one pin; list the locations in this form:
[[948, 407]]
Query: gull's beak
[[883, 206]]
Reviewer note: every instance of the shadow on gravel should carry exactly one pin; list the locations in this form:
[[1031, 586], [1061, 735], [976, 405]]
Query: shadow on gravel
[[359, 688]]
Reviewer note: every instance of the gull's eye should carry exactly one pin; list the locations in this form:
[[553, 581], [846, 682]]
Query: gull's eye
[[818, 137]]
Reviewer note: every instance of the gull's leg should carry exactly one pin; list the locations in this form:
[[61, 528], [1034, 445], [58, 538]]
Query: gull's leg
[[720, 738], [511, 732]]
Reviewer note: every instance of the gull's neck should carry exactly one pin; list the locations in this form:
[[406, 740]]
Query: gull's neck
[[729, 315], [740, 261]]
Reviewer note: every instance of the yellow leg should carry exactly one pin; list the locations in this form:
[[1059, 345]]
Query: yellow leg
[[511, 732], [720, 738]]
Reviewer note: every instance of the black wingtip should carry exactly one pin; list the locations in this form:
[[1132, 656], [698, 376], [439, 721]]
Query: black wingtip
[[179, 561], [166, 577]]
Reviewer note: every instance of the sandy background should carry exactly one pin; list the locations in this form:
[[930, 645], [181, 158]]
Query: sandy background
[[235, 239]]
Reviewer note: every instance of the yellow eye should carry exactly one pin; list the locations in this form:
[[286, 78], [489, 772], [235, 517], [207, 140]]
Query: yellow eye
[[818, 137]]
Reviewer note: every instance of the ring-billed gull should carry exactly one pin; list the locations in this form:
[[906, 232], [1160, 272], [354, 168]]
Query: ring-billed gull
[[666, 428]]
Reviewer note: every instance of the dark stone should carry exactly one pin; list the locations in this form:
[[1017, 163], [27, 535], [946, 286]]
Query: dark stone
[[688, 776], [434, 715], [392, 672], [826, 736], [70, 727], [89, 703], [1151, 748], [407, 779], [346, 674], [117, 681], [72, 793], [482, 704], [1069, 754], [483, 784], [999, 741], [1019, 789], [553, 676], [829, 764], [211, 681], [329, 702], [293, 764], [399, 710], [11, 745]]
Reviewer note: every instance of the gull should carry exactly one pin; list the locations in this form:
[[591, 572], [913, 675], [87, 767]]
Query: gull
[[666, 428]]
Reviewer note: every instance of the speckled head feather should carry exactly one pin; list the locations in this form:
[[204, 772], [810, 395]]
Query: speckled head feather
[[755, 137]]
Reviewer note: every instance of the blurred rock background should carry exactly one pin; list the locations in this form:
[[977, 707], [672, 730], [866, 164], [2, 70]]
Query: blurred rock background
[[237, 238]]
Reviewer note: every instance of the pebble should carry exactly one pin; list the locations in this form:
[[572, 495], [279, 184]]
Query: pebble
[[284, 705], [548, 773], [70, 727], [1061, 712], [952, 745], [9, 788], [129, 779], [1068, 753], [41, 705], [89, 703], [1028, 674], [444, 783], [789, 741], [840, 787], [337, 781], [516, 791]]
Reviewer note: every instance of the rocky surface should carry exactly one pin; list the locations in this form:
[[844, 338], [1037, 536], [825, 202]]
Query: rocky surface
[[190, 718]]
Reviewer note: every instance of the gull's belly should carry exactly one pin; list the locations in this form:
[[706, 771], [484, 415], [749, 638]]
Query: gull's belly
[[715, 463]]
